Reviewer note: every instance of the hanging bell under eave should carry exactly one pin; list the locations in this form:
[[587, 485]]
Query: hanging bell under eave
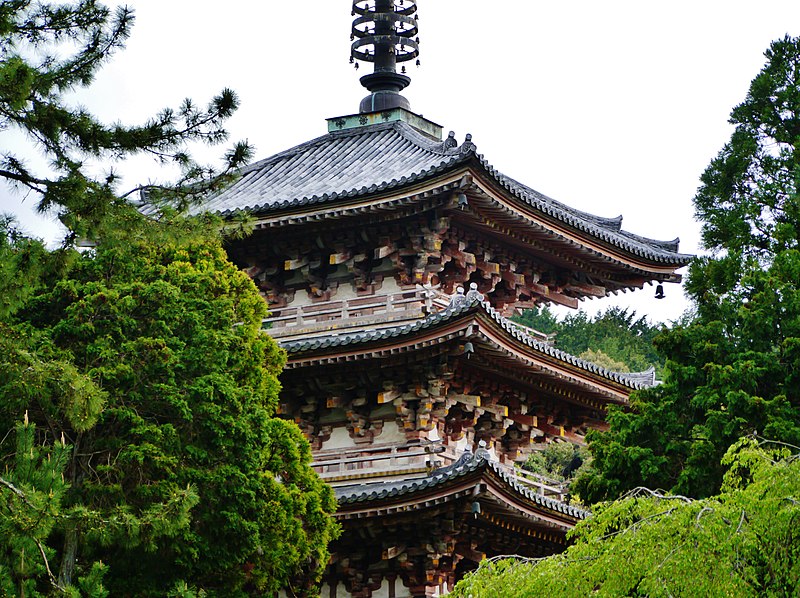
[[475, 509], [660, 291]]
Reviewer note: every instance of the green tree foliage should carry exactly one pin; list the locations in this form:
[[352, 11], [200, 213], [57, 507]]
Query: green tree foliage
[[33, 489], [145, 354], [615, 337], [743, 542], [558, 461], [150, 359], [734, 368], [47, 49]]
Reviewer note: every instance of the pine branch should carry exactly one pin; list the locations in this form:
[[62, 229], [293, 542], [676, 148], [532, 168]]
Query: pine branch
[[15, 490], [27, 181], [50, 576]]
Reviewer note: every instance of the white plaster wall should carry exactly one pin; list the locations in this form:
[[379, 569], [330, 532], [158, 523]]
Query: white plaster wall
[[461, 445], [345, 292], [340, 439], [391, 434]]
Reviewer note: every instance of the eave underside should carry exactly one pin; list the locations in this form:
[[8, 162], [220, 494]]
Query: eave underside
[[493, 208]]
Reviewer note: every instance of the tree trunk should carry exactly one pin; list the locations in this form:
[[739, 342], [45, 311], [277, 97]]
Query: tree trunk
[[69, 557], [70, 552]]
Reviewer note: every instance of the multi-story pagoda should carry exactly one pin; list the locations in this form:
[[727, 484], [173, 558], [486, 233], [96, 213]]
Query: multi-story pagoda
[[391, 257]]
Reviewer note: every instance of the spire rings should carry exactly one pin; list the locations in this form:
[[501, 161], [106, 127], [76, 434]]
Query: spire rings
[[401, 7], [401, 25], [404, 48]]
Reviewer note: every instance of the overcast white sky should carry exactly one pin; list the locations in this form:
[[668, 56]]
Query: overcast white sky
[[612, 107]]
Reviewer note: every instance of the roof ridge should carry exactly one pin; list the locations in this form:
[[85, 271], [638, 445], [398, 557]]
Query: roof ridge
[[585, 364], [599, 226], [467, 463]]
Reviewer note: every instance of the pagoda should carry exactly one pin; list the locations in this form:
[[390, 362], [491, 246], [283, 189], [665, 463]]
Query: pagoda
[[391, 257]]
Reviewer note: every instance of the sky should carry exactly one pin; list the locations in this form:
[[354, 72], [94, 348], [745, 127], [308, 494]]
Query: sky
[[611, 107]]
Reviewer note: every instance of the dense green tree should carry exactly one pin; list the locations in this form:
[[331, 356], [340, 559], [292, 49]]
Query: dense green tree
[[615, 337], [141, 362], [743, 542], [149, 358], [733, 369]]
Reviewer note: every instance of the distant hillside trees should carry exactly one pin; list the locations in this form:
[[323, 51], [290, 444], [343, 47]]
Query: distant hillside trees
[[616, 338]]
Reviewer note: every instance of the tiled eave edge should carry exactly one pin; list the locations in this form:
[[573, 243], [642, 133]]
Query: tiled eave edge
[[447, 486], [381, 206], [582, 247], [553, 214], [457, 323], [616, 386], [536, 221], [437, 181]]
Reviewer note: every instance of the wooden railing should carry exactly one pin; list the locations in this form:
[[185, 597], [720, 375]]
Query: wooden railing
[[338, 467], [345, 466], [365, 312], [540, 484], [532, 332], [358, 311]]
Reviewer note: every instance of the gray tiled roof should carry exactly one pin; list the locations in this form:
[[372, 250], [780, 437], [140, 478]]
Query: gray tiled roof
[[336, 166], [374, 158], [466, 464], [634, 381]]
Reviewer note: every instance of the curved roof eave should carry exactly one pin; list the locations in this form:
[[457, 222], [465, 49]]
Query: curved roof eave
[[635, 381], [371, 160], [467, 464]]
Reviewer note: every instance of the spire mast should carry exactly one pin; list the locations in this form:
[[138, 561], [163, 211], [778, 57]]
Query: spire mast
[[385, 33]]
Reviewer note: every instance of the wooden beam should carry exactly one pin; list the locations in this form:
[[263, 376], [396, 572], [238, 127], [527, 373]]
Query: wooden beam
[[392, 551], [295, 264], [471, 400], [501, 410], [586, 289], [525, 420], [515, 279], [470, 553], [489, 267], [387, 396], [339, 258], [383, 251]]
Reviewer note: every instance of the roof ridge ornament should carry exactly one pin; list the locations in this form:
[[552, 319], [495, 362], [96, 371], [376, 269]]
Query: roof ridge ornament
[[384, 32], [473, 294], [468, 146], [458, 298]]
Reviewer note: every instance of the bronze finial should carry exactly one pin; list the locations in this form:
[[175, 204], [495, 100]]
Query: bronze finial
[[385, 33]]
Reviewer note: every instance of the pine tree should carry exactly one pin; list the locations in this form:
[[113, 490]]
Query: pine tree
[[31, 495], [48, 49], [734, 369], [145, 352]]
